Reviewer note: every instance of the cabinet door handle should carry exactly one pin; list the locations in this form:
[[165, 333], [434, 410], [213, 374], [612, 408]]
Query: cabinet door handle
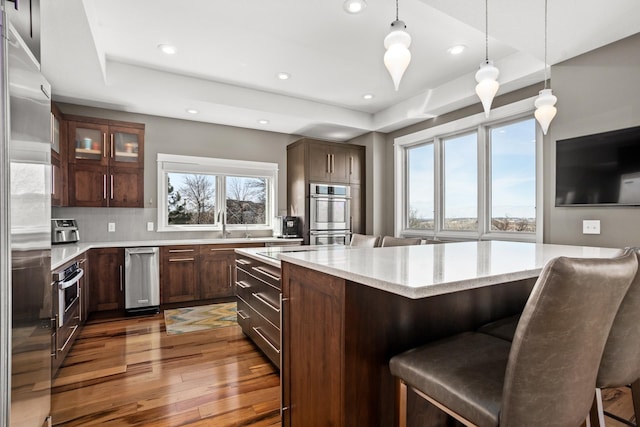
[[261, 270], [259, 332], [104, 144], [53, 182], [265, 302], [350, 165], [230, 276], [121, 278], [111, 137], [111, 187], [174, 251], [328, 168], [104, 187], [333, 163], [180, 259]]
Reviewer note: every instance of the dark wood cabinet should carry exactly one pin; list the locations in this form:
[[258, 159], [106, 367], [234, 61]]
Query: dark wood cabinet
[[58, 158], [106, 162], [216, 272], [179, 274], [310, 161], [258, 295], [106, 272]]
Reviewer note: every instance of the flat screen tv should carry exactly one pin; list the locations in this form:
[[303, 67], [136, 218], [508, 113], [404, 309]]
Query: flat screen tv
[[601, 169]]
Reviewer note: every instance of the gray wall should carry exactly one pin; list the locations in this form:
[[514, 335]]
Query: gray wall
[[597, 92], [173, 136]]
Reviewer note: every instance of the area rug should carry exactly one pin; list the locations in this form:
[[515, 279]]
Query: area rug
[[200, 318]]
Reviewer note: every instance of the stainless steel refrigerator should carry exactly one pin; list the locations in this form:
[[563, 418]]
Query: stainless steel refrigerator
[[25, 245]]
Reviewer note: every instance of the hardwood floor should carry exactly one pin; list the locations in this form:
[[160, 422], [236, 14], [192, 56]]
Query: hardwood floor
[[129, 372]]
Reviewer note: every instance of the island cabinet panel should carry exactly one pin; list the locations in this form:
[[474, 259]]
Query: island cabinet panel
[[259, 304], [179, 274], [106, 272], [339, 335]]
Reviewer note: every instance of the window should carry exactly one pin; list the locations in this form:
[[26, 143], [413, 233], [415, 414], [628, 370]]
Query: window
[[472, 179], [420, 187], [461, 182], [200, 193]]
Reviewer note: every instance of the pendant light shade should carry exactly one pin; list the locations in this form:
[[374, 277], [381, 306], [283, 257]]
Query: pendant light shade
[[487, 87], [546, 101], [397, 56], [545, 109]]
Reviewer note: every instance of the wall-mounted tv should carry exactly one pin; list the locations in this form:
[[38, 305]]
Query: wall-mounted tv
[[600, 169]]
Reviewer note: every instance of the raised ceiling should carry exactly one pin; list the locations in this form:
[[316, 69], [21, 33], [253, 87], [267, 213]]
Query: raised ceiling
[[104, 53]]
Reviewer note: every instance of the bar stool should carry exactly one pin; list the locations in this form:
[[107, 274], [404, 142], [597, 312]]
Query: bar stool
[[546, 376], [620, 364], [364, 240], [399, 241]]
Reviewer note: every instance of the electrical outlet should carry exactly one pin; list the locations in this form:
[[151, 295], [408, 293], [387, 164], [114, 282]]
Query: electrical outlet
[[591, 226], [112, 227], [150, 226]]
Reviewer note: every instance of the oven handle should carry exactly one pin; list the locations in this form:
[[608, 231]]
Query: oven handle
[[329, 197], [72, 281], [330, 233]]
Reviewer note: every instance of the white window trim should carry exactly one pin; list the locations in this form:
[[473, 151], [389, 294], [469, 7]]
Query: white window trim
[[219, 167], [504, 113]]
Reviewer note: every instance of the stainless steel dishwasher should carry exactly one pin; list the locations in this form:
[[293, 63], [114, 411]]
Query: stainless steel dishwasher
[[142, 280]]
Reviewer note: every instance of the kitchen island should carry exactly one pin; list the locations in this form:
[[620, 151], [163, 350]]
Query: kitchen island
[[347, 312]]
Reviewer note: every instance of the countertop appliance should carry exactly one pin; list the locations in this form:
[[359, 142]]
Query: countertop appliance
[[64, 231], [286, 227], [67, 291], [142, 280], [25, 236], [329, 214]]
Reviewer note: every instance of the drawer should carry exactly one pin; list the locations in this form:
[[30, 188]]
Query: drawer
[[265, 272], [179, 251], [262, 297], [262, 333], [244, 315]]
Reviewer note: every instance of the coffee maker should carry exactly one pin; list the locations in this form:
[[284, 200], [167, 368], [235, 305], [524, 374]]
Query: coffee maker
[[286, 227]]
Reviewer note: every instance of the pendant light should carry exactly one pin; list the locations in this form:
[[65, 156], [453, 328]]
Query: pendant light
[[397, 56], [546, 101], [487, 75]]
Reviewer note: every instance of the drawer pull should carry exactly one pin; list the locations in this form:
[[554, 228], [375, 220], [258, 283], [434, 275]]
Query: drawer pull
[[263, 271], [243, 261], [221, 249], [175, 251], [75, 328], [243, 284], [180, 259], [265, 302], [242, 315], [257, 330]]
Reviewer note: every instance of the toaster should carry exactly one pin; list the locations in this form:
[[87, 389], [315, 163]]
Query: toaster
[[64, 231]]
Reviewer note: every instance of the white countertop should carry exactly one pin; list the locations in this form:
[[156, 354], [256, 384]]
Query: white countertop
[[63, 253], [429, 270]]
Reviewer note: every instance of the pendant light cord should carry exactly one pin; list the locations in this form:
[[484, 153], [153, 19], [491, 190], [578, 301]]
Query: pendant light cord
[[396, 10], [545, 45], [486, 30]]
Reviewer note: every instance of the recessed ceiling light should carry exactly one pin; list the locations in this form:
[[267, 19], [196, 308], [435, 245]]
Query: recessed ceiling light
[[168, 49], [457, 49], [192, 111], [263, 122], [354, 6], [284, 76], [368, 96]]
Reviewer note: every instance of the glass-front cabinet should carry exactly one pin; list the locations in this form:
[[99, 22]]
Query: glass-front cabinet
[[107, 145]]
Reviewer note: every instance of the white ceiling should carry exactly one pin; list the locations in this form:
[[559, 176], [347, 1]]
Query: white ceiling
[[104, 53]]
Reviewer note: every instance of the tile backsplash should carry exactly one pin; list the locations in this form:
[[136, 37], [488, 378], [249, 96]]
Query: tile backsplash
[[131, 224]]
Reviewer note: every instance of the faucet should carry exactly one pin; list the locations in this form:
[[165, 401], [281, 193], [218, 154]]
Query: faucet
[[222, 218]]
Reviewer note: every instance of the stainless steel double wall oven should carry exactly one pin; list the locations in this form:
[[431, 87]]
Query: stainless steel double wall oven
[[330, 214]]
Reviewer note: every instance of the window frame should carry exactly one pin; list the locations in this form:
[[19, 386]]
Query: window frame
[[479, 123], [221, 169]]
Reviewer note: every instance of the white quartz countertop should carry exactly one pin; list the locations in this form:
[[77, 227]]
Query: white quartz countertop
[[429, 270], [63, 253]]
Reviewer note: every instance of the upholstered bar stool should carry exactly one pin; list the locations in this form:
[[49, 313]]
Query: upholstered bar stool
[[364, 240], [545, 377], [620, 364], [399, 241]]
